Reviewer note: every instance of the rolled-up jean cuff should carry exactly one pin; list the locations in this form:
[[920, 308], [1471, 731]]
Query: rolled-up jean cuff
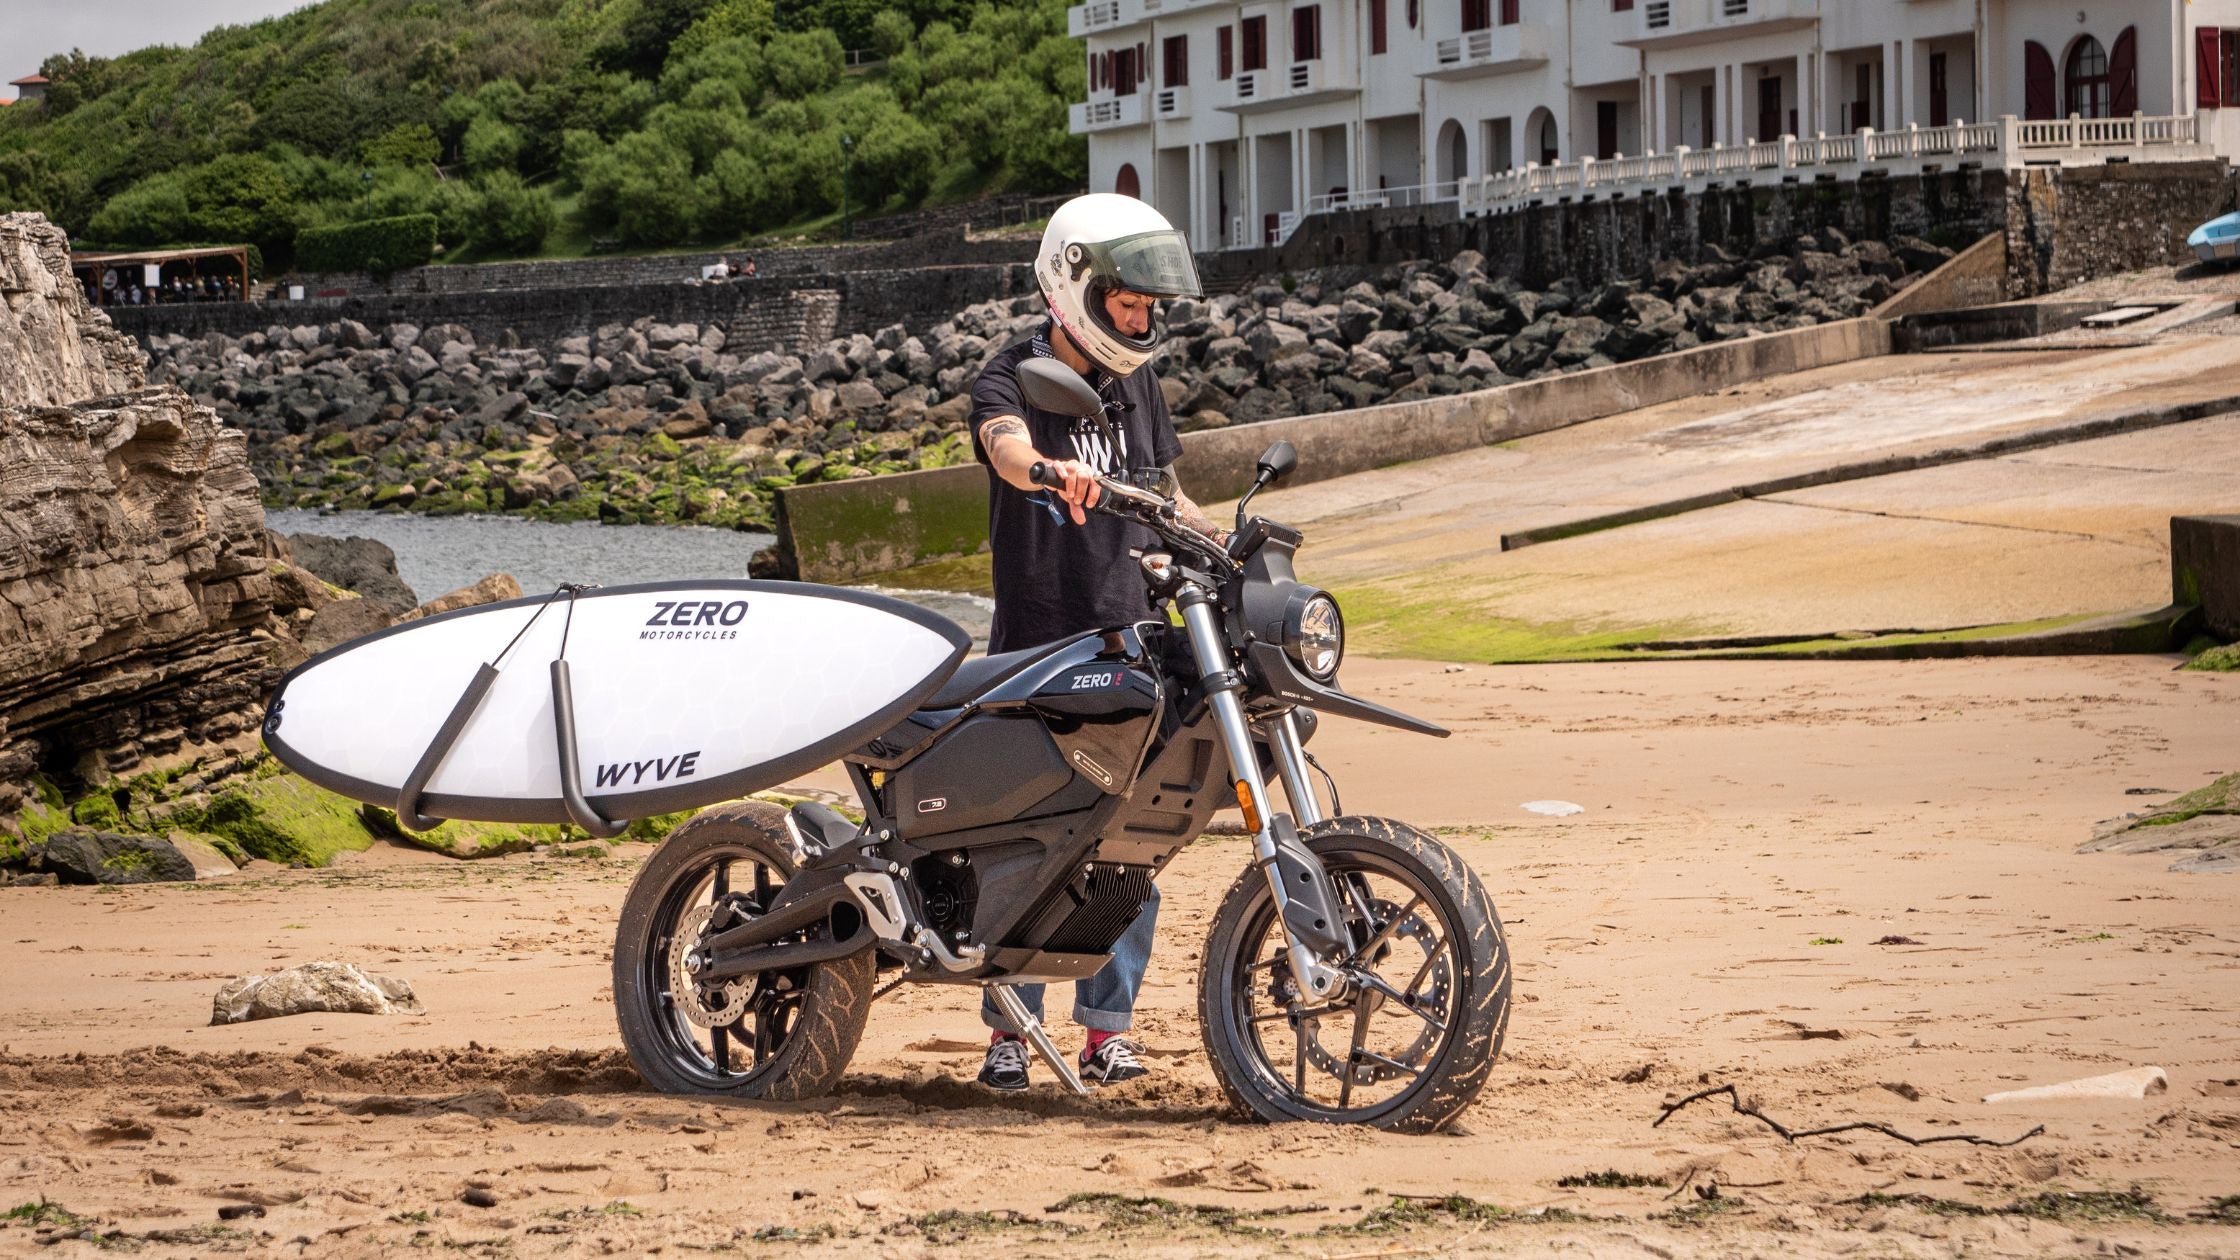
[[1103, 1021], [1001, 1023]]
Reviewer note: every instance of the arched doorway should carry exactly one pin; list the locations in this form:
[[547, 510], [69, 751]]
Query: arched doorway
[[1540, 141], [1126, 183], [1452, 154], [2088, 89]]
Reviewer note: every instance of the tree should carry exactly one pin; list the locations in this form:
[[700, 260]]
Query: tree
[[891, 32], [413, 144], [511, 217], [804, 64], [489, 145]]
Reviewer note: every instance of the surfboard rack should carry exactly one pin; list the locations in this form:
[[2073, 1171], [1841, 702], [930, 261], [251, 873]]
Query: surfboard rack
[[580, 810]]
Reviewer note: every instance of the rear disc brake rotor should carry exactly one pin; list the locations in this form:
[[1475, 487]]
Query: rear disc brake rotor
[[711, 1004]]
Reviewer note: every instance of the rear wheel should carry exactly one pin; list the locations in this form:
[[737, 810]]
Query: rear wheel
[[1408, 1040], [777, 1035]]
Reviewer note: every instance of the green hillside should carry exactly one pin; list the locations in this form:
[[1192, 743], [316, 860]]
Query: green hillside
[[538, 126]]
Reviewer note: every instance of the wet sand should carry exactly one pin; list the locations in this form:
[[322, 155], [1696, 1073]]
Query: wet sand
[[1849, 889]]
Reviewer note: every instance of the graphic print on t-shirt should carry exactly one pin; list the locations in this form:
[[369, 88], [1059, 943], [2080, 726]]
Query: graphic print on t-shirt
[[1093, 445]]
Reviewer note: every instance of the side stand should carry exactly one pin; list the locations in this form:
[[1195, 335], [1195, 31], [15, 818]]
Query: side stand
[[1007, 997]]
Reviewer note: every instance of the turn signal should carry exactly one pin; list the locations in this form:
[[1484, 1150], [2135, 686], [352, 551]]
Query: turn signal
[[1244, 802]]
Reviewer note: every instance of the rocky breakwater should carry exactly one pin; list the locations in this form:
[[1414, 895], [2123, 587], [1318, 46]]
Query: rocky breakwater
[[659, 422]]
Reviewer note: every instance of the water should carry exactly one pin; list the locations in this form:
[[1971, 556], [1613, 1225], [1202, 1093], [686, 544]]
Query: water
[[436, 554]]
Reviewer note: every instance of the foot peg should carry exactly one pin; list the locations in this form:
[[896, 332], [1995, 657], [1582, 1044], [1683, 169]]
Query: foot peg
[[1007, 998]]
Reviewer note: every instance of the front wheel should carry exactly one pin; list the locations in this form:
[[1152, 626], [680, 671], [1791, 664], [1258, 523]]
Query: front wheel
[[1407, 1042], [773, 1035]]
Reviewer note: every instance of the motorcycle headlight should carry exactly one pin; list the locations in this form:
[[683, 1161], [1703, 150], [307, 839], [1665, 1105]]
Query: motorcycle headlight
[[1315, 634]]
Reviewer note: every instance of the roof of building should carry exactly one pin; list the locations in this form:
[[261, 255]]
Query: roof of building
[[159, 255], [31, 80]]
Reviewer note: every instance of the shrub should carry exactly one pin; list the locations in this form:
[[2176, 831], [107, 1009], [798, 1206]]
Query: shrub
[[511, 216], [376, 246]]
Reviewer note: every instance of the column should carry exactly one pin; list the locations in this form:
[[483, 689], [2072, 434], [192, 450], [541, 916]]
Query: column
[[1801, 93], [1897, 104]]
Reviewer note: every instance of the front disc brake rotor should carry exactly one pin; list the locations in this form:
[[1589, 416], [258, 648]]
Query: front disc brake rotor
[[1431, 992], [710, 1004]]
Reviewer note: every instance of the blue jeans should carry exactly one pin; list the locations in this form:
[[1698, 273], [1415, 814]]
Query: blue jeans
[[1106, 1001]]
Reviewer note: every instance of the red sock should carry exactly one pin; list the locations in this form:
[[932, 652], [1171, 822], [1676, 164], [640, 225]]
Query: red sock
[[999, 1035], [1097, 1037]]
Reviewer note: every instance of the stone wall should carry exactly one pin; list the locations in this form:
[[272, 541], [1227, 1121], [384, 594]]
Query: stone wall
[[767, 312], [135, 591], [1594, 242], [2069, 224], [928, 248], [845, 530], [2205, 570]]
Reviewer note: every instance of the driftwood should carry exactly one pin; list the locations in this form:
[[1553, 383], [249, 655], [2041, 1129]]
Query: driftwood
[[1792, 1135]]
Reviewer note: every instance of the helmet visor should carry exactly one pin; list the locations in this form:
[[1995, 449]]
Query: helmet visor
[[1157, 264]]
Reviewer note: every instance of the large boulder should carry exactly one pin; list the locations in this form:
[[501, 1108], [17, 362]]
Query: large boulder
[[356, 564], [101, 857]]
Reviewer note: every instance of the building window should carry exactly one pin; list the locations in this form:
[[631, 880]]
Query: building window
[[1126, 183], [1477, 15], [1127, 71], [2037, 80], [2230, 79], [1306, 33], [1940, 91], [1256, 43], [1225, 52], [1174, 61], [1621, 6], [1415, 12], [2087, 80], [1509, 16], [1377, 43]]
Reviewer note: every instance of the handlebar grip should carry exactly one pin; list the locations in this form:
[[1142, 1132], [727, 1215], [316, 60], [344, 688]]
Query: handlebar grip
[[1044, 475]]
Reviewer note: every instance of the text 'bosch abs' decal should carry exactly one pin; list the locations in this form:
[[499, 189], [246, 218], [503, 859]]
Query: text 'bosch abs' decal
[[695, 619]]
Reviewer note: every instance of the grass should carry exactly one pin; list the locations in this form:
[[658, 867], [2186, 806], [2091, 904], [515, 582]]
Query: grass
[[1609, 1179], [2095, 1206], [1129, 1212], [1827, 940]]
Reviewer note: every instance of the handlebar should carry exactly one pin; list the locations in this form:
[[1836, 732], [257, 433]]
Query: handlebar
[[1153, 510]]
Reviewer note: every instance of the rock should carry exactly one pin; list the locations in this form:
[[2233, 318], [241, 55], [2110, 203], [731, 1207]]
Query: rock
[[344, 620], [335, 987], [2133, 1083], [689, 422], [361, 565], [209, 861], [294, 587], [496, 588], [101, 857]]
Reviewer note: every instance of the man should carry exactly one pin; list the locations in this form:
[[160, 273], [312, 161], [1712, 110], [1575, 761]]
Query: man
[[1105, 262]]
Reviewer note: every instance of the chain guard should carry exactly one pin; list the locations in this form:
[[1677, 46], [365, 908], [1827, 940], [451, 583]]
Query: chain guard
[[690, 996]]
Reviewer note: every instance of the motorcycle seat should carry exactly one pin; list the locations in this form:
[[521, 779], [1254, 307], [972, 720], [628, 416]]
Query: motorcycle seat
[[980, 675]]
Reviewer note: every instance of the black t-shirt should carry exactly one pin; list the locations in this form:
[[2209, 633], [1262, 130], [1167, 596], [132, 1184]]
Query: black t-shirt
[[1054, 578]]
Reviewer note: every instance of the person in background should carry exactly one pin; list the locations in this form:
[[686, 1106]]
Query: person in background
[[748, 273]]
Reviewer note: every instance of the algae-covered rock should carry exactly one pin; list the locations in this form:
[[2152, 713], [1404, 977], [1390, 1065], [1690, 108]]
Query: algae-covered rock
[[462, 839], [282, 819], [2217, 659], [102, 857]]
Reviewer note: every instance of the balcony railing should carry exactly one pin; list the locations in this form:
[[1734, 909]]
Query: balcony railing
[[1301, 82], [1102, 15], [1107, 113], [1496, 50], [1171, 102], [2008, 143], [1671, 22]]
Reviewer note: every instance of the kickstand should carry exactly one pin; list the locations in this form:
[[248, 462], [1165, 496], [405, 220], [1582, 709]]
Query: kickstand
[[1007, 997]]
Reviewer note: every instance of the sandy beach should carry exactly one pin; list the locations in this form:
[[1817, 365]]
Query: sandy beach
[[1850, 890]]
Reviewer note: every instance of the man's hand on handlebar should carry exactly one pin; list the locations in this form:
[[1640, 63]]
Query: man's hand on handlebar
[[1071, 481]]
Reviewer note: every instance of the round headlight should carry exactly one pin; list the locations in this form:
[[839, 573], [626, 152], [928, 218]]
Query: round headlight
[[1316, 635]]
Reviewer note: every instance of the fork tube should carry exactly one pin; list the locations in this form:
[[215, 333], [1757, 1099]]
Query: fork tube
[[1222, 683], [1291, 760]]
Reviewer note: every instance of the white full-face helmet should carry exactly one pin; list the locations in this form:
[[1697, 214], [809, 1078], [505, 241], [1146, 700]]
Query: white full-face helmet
[[1100, 243]]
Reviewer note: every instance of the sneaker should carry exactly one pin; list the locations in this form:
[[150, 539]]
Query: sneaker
[[1005, 1068], [1112, 1061]]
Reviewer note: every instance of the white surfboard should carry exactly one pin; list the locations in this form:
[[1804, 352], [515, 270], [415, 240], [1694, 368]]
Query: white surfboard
[[683, 694]]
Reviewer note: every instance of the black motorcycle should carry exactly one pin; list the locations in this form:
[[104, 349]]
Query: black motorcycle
[[1355, 972]]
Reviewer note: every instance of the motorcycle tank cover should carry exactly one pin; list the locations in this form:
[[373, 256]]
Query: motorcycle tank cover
[[684, 694]]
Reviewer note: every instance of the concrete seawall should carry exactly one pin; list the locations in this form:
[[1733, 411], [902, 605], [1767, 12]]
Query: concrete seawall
[[844, 530]]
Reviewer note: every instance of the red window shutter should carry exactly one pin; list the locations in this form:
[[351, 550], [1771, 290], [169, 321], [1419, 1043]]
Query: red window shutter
[[2123, 73], [1621, 6], [1377, 44], [1225, 52], [2206, 94], [2037, 81], [1509, 13]]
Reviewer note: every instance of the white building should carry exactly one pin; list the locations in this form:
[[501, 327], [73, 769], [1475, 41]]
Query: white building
[[1236, 119]]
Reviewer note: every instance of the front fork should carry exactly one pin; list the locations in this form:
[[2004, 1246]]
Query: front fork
[[1302, 891]]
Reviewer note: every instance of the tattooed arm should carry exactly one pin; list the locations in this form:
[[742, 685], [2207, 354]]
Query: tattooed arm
[[1012, 454], [1189, 513]]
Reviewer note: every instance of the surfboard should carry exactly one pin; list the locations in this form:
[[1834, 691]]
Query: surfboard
[[669, 696]]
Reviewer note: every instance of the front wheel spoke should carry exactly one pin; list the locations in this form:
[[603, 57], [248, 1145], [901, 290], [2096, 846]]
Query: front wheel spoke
[[1395, 1064], [1384, 986], [722, 886], [720, 1040], [1353, 1051], [1392, 924]]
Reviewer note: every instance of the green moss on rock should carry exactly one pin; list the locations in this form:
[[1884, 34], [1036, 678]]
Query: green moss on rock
[[462, 839], [282, 819], [2217, 659]]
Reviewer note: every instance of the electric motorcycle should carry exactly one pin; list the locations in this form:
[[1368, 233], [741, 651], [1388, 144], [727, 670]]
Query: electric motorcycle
[[1355, 972]]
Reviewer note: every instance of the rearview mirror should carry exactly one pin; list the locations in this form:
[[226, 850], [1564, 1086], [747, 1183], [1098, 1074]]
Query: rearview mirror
[[1278, 461], [1053, 386]]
